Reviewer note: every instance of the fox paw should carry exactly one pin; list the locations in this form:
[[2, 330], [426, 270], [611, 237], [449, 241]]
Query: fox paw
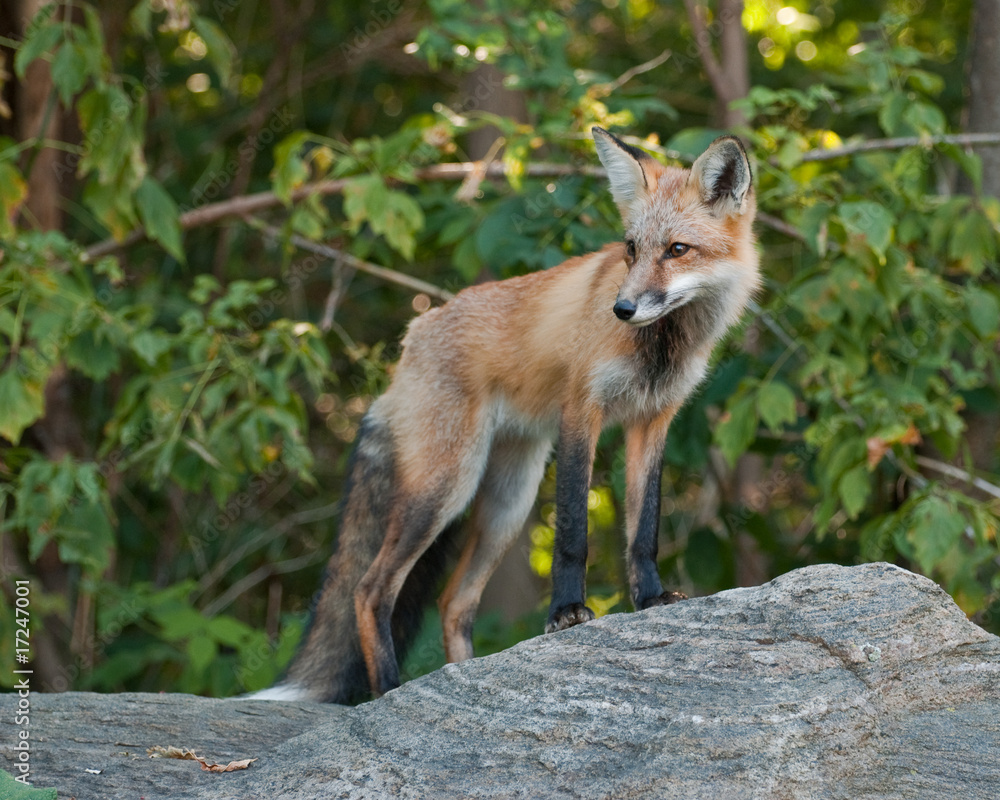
[[567, 617], [665, 599]]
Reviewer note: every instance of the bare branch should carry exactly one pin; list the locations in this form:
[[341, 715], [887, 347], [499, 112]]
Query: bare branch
[[625, 77], [951, 471], [899, 143], [386, 274], [778, 224], [259, 575], [341, 280]]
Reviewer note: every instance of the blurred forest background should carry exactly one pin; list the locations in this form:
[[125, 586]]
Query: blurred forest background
[[217, 217]]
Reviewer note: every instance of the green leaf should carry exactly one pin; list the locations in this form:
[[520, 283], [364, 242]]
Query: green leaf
[[22, 402], [149, 345], [890, 116], [456, 228], [365, 198], [776, 405], [85, 535], [738, 428], [41, 38], [925, 118], [177, 621], [972, 242], [69, 71], [141, 18], [290, 171], [93, 355], [854, 488], [869, 220], [984, 311], [220, 48], [159, 215], [935, 528], [815, 298], [402, 219], [231, 632], [201, 651], [306, 221], [926, 82]]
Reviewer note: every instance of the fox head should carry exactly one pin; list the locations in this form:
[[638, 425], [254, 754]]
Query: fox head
[[688, 233]]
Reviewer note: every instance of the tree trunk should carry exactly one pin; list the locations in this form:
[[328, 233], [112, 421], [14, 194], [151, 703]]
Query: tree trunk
[[984, 87], [37, 114], [729, 73], [983, 116]]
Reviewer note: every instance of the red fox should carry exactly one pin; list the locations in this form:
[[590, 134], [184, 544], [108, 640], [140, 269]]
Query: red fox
[[489, 381]]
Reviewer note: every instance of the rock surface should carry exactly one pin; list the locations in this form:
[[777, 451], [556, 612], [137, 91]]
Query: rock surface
[[829, 682]]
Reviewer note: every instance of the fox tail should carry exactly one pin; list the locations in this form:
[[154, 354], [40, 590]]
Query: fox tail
[[329, 665]]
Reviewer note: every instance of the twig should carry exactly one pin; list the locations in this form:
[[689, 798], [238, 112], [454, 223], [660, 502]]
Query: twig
[[384, 273], [778, 224], [233, 557], [626, 76], [470, 186], [341, 280], [247, 582], [965, 139], [958, 474]]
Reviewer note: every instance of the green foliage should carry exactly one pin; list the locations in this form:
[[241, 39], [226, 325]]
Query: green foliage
[[15, 790], [213, 416]]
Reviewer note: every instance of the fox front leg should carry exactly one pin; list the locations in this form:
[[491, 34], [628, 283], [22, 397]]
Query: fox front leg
[[644, 467], [574, 463]]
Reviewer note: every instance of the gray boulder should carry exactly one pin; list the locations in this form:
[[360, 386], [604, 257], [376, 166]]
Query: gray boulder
[[828, 682]]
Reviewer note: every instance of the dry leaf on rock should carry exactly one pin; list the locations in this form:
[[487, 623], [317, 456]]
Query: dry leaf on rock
[[189, 755], [232, 766]]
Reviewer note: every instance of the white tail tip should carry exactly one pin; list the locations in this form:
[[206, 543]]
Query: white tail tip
[[283, 691]]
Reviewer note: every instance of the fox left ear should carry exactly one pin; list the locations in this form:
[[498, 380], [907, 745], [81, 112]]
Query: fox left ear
[[625, 169], [723, 176]]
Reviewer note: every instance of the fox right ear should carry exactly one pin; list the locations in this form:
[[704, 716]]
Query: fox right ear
[[625, 169], [723, 176]]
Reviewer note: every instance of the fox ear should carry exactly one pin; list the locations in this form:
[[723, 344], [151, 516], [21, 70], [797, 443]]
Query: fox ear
[[723, 176], [625, 169]]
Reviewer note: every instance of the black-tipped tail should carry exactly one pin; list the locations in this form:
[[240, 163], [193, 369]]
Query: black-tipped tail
[[329, 665]]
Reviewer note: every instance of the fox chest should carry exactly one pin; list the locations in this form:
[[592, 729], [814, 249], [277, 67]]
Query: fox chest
[[668, 361], [628, 389]]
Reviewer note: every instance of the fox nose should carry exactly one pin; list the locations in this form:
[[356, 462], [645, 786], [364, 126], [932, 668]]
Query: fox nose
[[624, 309]]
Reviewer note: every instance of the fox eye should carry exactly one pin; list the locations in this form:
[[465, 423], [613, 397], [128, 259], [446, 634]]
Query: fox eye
[[676, 250], [630, 250]]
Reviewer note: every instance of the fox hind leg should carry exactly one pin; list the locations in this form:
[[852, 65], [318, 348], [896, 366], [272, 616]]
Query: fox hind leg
[[505, 498], [416, 519]]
